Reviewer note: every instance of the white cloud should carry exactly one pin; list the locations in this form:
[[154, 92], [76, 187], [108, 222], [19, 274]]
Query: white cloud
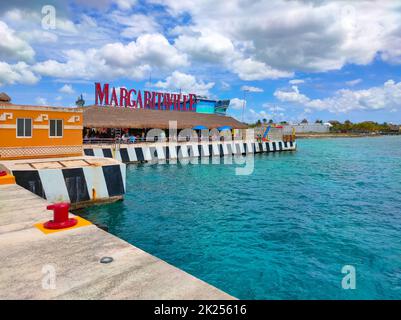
[[255, 40], [12, 46], [125, 4], [186, 83], [352, 83], [39, 36], [237, 104], [291, 96], [136, 24], [248, 114], [16, 73], [133, 60], [272, 35], [249, 69], [88, 21], [65, 25], [251, 115], [153, 49], [387, 96], [79, 32], [251, 89], [296, 81], [273, 108], [28, 25], [206, 46], [41, 101], [67, 88], [30, 19]]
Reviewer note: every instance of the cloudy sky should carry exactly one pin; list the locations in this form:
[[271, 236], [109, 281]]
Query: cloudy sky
[[291, 60]]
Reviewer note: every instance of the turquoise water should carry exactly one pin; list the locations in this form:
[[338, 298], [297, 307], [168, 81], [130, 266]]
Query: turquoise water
[[283, 232]]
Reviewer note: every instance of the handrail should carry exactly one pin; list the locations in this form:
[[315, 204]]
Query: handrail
[[118, 141]]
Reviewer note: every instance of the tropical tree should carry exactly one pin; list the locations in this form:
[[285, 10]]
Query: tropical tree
[[361, 127]]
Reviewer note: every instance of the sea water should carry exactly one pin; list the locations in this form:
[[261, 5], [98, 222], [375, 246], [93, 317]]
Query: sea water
[[286, 231]]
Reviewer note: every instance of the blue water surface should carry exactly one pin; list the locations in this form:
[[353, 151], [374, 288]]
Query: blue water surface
[[283, 232]]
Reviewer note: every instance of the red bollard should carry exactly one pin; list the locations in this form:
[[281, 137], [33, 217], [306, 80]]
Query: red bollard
[[60, 217]]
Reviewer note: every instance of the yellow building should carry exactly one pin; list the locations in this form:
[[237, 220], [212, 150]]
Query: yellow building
[[38, 132]]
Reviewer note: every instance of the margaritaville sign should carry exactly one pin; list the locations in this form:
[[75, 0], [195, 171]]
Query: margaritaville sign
[[132, 98]]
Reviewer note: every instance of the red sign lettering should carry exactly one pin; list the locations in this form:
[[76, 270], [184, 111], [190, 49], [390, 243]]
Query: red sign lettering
[[131, 98]]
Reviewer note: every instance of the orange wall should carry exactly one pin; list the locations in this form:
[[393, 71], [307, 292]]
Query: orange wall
[[72, 131]]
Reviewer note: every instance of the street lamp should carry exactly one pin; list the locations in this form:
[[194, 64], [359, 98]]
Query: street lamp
[[244, 103]]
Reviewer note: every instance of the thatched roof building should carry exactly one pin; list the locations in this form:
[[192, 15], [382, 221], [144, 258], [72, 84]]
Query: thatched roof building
[[116, 117], [4, 98]]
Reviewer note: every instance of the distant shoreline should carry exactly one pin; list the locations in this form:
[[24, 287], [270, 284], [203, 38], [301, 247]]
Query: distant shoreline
[[338, 135]]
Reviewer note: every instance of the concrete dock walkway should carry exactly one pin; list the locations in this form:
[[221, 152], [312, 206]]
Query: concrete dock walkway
[[28, 257]]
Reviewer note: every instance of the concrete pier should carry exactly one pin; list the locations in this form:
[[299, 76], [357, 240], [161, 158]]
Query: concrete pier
[[140, 152], [81, 181], [29, 256]]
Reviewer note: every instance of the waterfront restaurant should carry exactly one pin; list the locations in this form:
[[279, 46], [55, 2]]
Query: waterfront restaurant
[[102, 123], [129, 114]]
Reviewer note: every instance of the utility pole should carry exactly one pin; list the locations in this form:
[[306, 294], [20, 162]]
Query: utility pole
[[243, 105], [274, 114]]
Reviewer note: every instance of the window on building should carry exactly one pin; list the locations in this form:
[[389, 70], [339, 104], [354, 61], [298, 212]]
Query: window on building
[[24, 127], [56, 128]]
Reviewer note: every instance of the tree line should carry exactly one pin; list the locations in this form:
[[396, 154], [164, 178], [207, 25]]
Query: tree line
[[363, 127], [344, 127]]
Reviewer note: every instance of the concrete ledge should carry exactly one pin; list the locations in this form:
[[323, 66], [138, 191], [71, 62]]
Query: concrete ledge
[[161, 151], [79, 180], [75, 255]]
